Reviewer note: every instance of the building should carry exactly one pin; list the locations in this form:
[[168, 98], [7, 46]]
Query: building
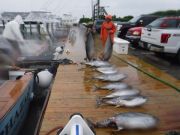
[[69, 20]]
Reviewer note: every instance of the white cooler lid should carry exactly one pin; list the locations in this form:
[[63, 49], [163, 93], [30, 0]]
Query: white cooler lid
[[121, 41]]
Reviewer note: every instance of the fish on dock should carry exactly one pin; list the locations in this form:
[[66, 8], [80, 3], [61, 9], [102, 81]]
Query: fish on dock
[[126, 101], [90, 47], [129, 121], [107, 70], [124, 92], [112, 86], [108, 49], [98, 63], [111, 77]]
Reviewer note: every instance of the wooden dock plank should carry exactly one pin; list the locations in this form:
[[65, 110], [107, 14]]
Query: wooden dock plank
[[72, 92]]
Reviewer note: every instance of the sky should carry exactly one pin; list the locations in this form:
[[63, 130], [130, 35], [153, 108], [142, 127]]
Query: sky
[[78, 8]]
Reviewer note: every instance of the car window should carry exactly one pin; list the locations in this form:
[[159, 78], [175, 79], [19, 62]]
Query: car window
[[99, 22], [147, 20], [156, 23], [134, 20], [178, 24], [164, 23], [152, 19], [172, 23]]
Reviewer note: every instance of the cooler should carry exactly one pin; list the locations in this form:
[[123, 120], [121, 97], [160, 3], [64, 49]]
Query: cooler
[[120, 46]]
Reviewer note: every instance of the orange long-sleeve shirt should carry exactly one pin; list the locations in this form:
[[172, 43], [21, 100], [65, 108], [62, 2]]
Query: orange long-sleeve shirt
[[107, 28]]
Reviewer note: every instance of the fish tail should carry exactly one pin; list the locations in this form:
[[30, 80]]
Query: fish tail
[[99, 101], [95, 88], [94, 78]]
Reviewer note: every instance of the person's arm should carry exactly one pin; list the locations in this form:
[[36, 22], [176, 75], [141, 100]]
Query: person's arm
[[17, 33], [113, 30]]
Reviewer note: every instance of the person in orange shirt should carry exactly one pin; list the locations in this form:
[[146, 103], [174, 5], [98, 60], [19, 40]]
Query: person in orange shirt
[[108, 27]]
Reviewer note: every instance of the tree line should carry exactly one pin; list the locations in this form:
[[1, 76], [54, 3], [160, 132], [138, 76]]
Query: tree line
[[129, 17]]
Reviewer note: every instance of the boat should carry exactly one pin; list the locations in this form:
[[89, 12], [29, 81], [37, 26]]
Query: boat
[[45, 32], [16, 93], [19, 89]]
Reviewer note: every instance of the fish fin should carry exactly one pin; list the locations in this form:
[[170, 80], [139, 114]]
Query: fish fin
[[118, 129], [94, 59], [86, 59], [117, 106], [129, 87], [95, 88], [99, 101], [83, 63], [81, 69]]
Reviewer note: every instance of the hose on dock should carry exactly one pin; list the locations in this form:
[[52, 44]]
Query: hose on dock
[[150, 74], [58, 128]]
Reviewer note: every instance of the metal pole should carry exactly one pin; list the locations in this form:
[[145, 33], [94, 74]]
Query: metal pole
[[98, 3], [92, 6], [94, 13]]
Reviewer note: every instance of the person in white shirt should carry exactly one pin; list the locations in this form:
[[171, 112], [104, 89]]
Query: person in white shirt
[[13, 33], [12, 29]]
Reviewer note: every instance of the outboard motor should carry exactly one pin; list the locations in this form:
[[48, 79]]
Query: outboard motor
[[77, 126]]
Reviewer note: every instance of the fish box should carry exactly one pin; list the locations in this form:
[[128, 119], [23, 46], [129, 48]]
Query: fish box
[[120, 46]]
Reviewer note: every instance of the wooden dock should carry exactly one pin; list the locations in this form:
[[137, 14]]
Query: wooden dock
[[72, 92]]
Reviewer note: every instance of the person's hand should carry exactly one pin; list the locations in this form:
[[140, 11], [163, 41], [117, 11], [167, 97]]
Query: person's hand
[[108, 29], [110, 32], [15, 67]]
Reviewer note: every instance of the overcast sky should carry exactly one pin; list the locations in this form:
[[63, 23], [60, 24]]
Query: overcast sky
[[83, 7]]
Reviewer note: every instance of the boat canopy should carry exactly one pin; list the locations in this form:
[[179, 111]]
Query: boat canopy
[[42, 17], [8, 16]]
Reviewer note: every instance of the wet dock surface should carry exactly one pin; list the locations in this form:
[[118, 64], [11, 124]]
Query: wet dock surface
[[168, 64], [72, 92]]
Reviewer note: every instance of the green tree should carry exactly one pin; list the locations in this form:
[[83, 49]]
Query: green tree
[[127, 18], [167, 13], [85, 20]]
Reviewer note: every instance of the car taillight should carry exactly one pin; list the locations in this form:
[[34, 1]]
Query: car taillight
[[165, 37], [136, 33]]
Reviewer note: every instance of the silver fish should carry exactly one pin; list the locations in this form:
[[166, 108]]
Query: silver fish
[[98, 64], [130, 120], [127, 101], [112, 86], [126, 92], [112, 77], [108, 49], [90, 48], [107, 70]]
